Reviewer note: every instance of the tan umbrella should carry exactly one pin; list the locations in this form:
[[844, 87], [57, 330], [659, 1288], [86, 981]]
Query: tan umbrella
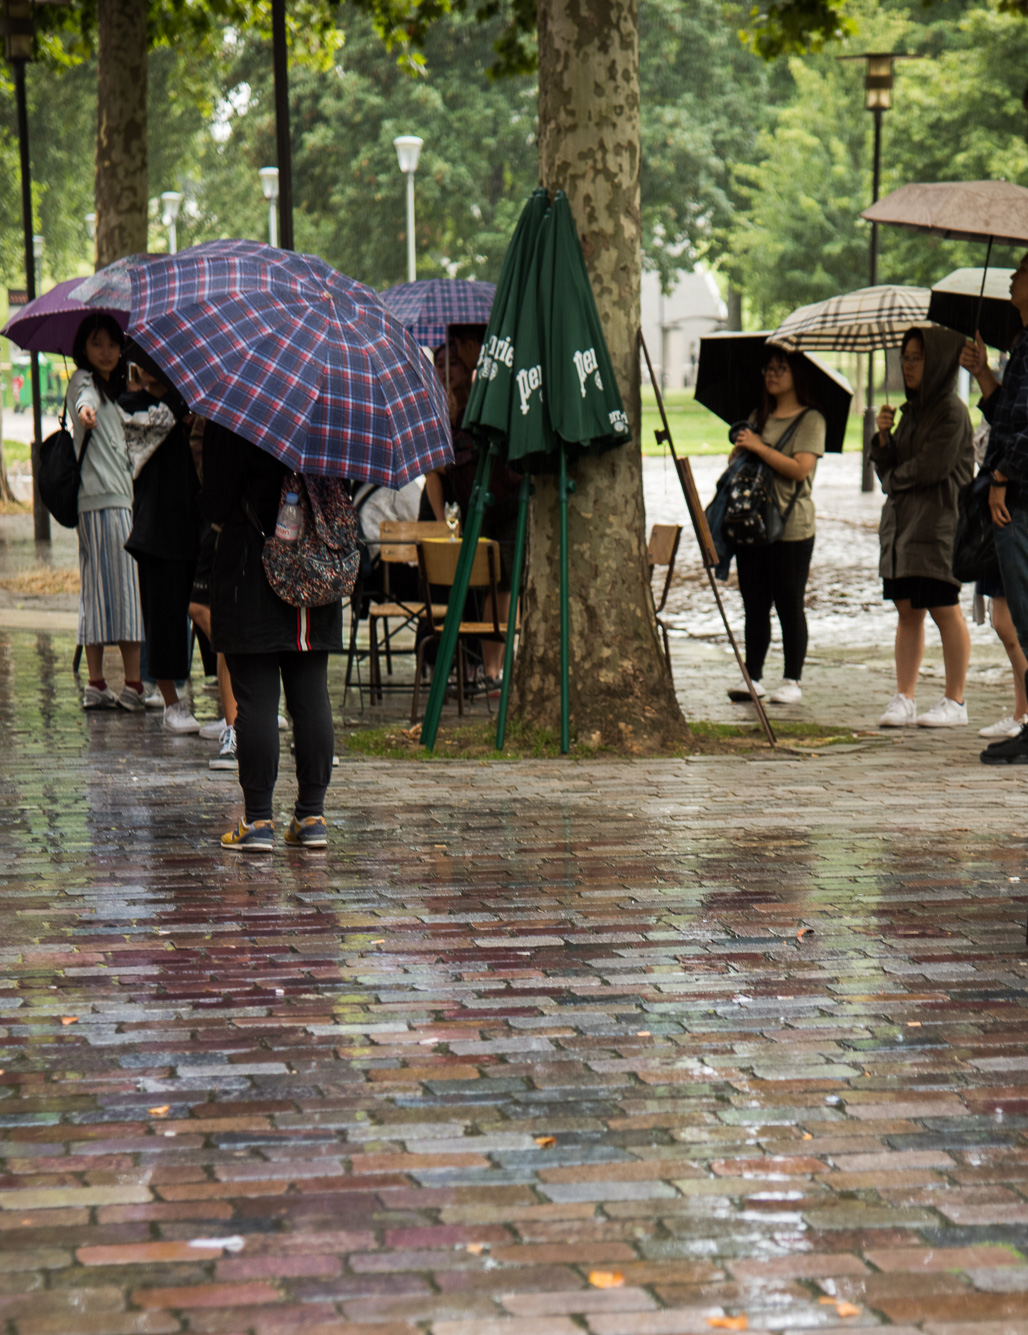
[[992, 211], [860, 321]]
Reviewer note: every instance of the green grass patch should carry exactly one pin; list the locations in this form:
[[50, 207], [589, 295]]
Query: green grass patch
[[476, 740], [16, 451], [695, 430]]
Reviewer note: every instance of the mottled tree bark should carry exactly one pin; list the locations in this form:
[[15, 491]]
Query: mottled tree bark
[[121, 183], [622, 694]]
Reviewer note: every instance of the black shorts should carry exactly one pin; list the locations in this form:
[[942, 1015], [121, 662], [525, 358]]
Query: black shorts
[[922, 591], [201, 591]]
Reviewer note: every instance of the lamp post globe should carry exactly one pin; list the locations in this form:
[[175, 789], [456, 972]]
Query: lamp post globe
[[408, 150], [171, 202], [269, 184]]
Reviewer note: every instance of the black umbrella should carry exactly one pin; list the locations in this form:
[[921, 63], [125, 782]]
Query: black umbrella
[[729, 382], [962, 298]]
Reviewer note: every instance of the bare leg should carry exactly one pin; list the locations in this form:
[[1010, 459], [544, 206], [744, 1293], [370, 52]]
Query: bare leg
[[95, 661], [492, 652], [200, 614], [956, 648], [130, 658], [167, 688], [1003, 625], [909, 646]]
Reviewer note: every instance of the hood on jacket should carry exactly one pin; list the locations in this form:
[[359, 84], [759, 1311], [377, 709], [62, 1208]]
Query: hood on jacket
[[942, 349]]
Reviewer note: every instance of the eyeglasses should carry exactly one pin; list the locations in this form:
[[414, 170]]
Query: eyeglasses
[[911, 361], [776, 368]]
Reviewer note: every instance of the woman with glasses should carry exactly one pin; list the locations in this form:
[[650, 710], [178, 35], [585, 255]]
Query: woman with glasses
[[922, 465], [788, 434]]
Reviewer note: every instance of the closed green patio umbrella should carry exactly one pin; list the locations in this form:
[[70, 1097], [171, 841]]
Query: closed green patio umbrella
[[545, 389]]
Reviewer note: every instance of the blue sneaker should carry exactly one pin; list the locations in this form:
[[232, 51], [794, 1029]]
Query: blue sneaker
[[311, 832], [256, 838]]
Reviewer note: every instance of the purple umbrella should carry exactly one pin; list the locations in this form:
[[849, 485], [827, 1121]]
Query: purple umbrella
[[294, 356], [428, 306], [50, 323]]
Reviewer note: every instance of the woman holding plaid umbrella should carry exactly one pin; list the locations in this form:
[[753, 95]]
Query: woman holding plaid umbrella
[[265, 639]]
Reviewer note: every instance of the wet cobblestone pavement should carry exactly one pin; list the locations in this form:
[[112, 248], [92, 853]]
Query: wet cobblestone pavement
[[535, 1048]]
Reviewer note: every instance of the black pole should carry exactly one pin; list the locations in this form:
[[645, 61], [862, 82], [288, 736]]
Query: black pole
[[280, 56], [867, 471], [40, 515]]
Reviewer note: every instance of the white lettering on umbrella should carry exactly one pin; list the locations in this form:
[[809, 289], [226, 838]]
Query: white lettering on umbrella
[[497, 352], [586, 365], [527, 381]]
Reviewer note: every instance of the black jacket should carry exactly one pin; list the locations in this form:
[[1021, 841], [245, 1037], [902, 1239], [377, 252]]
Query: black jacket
[[166, 505], [246, 616]]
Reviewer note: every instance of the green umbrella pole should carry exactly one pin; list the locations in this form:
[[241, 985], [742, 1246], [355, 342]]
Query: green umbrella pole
[[512, 614], [455, 608], [566, 488]]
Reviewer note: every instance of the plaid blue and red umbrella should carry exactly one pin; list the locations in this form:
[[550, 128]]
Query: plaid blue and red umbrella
[[429, 306], [291, 354]]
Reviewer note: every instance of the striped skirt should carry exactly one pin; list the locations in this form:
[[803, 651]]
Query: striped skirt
[[109, 606]]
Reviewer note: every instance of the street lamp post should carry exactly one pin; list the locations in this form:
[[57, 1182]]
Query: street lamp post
[[171, 202], [878, 83], [18, 32], [269, 184], [408, 149], [37, 259]]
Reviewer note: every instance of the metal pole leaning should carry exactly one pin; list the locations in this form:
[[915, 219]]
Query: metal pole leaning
[[512, 614], [566, 487], [455, 608], [704, 540]]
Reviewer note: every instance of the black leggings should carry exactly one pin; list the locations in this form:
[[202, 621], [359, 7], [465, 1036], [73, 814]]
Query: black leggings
[[255, 680], [775, 576]]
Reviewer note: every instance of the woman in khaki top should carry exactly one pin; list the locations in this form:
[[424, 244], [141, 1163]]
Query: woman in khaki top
[[776, 575]]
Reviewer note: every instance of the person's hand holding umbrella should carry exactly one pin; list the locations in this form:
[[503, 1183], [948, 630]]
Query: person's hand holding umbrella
[[886, 417]]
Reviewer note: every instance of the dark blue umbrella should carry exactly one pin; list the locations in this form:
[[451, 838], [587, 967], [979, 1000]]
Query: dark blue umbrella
[[426, 308], [292, 355]]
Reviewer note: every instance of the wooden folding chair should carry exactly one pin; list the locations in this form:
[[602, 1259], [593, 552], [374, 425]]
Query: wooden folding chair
[[661, 551], [397, 546], [437, 562]]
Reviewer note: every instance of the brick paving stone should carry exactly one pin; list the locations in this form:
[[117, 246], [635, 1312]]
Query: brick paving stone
[[353, 1057]]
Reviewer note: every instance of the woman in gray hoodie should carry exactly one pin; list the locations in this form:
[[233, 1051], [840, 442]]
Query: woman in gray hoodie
[[922, 465]]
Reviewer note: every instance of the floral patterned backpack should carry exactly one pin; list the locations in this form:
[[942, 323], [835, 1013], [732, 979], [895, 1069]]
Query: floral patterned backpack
[[321, 566]]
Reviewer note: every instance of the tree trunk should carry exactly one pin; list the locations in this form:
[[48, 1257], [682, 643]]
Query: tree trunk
[[121, 184], [622, 694], [6, 494]]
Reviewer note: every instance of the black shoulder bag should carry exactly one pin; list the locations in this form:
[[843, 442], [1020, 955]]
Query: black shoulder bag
[[59, 475], [752, 517]]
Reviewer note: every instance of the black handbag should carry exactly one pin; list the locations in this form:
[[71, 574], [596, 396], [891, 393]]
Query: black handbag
[[974, 543], [59, 475]]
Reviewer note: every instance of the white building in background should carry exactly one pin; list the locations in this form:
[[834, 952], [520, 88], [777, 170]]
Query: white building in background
[[673, 325]]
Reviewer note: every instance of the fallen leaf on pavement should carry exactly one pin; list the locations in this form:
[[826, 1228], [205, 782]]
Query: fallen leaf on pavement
[[546, 1142], [642, 1033], [913, 1024], [476, 1248], [606, 1279], [159, 1112], [847, 1309], [69, 1019], [378, 941], [803, 932], [728, 1322]]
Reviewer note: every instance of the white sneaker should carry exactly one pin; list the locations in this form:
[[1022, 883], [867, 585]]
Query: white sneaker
[[945, 714], [901, 713], [154, 700], [179, 718], [1006, 727], [742, 691], [226, 757], [788, 693], [211, 732]]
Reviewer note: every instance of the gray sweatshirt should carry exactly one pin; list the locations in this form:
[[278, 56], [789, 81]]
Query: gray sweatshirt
[[106, 469]]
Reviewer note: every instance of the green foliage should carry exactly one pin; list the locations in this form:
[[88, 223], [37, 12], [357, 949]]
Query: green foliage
[[477, 167], [956, 115]]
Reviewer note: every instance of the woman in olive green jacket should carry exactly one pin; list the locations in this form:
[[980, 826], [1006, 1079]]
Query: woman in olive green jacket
[[922, 465]]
